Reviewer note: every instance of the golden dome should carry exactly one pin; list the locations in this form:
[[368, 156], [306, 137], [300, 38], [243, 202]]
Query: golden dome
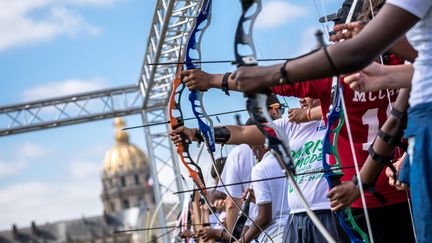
[[123, 156]]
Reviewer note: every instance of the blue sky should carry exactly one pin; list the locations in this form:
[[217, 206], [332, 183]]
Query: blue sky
[[56, 47]]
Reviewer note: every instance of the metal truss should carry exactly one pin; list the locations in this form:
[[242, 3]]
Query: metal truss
[[69, 110], [172, 22], [171, 26]]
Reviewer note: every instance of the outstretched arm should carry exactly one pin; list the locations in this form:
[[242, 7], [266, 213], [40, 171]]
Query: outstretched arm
[[198, 79], [225, 135], [348, 56]]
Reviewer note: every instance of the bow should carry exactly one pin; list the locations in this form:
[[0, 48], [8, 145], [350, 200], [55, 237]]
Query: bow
[[333, 172], [176, 115], [256, 105], [335, 120], [193, 61], [176, 120]]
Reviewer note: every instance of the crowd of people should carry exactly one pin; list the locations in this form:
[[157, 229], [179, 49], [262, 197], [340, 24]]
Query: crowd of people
[[386, 133]]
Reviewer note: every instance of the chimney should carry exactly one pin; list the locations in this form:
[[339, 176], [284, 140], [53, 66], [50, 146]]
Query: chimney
[[34, 229], [15, 232]]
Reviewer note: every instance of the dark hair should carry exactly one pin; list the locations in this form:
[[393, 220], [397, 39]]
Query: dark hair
[[220, 164], [272, 99]]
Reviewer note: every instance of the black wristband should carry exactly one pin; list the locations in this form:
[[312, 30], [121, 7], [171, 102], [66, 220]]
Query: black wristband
[[366, 187], [198, 136], [222, 134], [224, 85], [284, 74], [398, 114], [332, 65]]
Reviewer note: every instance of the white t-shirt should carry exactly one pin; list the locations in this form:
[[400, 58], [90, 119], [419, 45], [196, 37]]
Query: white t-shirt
[[420, 37], [306, 142], [238, 168], [273, 191]]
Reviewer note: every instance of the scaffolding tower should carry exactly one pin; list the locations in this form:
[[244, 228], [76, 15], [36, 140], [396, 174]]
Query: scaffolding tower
[[172, 23]]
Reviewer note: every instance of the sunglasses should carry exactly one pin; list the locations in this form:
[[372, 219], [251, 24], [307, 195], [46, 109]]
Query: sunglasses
[[281, 107]]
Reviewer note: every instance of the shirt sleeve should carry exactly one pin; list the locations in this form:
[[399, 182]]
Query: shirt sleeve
[[417, 7], [283, 125], [231, 174], [261, 188], [315, 89]]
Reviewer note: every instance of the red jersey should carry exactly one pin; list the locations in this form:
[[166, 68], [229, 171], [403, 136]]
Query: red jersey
[[367, 112]]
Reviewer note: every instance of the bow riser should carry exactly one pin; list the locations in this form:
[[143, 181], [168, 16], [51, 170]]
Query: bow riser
[[176, 120], [333, 172]]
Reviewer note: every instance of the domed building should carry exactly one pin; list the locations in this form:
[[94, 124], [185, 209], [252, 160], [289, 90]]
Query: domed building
[[126, 175], [127, 198]]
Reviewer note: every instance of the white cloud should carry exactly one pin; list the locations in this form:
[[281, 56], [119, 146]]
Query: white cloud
[[65, 87], [31, 150], [22, 155], [55, 18], [277, 13], [45, 202], [308, 40], [9, 169], [85, 169], [93, 2]]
